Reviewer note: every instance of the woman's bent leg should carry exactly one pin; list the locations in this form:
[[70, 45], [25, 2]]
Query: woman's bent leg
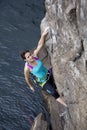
[[50, 88]]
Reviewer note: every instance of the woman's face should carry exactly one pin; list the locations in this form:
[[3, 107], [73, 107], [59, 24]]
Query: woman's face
[[29, 57]]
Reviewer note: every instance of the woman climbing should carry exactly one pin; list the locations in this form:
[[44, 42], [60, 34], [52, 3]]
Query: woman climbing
[[35, 66]]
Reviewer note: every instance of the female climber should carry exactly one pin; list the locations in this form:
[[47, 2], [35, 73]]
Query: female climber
[[34, 65]]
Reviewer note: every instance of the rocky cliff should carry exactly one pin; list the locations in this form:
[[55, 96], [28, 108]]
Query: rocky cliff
[[67, 47]]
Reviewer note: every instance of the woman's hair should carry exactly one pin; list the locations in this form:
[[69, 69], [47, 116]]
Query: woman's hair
[[23, 54]]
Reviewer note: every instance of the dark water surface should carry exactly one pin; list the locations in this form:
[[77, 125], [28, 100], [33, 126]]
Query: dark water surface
[[19, 30]]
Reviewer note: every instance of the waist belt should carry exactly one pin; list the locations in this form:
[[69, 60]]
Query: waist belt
[[46, 77], [42, 79]]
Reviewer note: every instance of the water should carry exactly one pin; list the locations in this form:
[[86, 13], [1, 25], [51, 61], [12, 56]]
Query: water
[[19, 30]]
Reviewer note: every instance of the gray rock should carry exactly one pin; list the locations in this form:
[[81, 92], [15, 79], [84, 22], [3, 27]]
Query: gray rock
[[55, 110], [40, 123], [67, 49]]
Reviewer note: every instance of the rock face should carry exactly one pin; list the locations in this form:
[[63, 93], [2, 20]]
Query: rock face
[[40, 123], [54, 109], [67, 46], [56, 122]]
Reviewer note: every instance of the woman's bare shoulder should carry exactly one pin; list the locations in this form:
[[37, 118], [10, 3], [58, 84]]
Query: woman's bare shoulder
[[26, 69]]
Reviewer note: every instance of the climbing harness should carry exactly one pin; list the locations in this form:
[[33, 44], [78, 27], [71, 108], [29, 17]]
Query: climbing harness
[[36, 80]]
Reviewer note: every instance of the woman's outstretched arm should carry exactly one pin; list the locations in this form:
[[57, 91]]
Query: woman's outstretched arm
[[41, 41]]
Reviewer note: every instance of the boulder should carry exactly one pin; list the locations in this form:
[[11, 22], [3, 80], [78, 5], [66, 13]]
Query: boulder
[[40, 123]]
